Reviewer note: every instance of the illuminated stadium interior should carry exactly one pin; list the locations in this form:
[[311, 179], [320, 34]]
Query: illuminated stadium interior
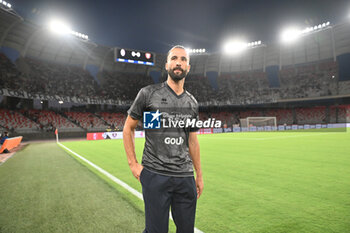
[[278, 163], [54, 68]]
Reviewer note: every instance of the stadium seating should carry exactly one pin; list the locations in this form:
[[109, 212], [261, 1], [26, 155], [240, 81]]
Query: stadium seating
[[49, 119], [9, 75], [340, 114], [14, 120], [42, 77], [344, 88], [88, 121], [313, 115], [240, 88], [122, 86], [45, 120], [116, 120], [200, 87], [283, 116], [309, 80]]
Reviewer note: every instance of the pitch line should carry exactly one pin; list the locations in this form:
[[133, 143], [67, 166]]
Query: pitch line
[[115, 179], [268, 138]]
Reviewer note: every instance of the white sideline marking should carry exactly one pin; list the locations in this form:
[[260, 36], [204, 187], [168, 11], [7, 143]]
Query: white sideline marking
[[268, 138], [115, 179], [295, 136]]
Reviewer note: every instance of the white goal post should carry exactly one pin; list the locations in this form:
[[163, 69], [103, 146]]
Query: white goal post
[[258, 122]]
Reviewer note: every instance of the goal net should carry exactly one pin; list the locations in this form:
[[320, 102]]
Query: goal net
[[259, 122]]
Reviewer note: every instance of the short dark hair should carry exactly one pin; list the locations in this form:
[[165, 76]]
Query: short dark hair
[[175, 47]]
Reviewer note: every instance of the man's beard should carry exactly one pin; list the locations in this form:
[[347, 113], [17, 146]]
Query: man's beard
[[177, 77]]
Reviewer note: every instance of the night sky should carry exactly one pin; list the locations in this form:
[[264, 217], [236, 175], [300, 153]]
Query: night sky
[[159, 24]]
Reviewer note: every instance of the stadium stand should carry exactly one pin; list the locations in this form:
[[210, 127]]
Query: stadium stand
[[283, 116], [344, 87], [34, 121], [340, 114], [122, 86], [239, 88], [40, 77], [50, 121], [87, 121], [314, 115], [116, 120], [200, 86], [309, 80], [15, 121], [9, 75]]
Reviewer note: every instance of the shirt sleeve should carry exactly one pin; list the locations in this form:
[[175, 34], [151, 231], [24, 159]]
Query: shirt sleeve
[[137, 108]]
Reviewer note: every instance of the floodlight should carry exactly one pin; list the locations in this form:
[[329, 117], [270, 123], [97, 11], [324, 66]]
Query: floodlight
[[0, 1], [4, 2], [327, 23], [234, 47], [59, 27], [203, 50], [60, 102], [290, 35]]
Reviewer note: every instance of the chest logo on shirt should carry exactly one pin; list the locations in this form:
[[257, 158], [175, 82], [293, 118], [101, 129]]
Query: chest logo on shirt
[[151, 120], [174, 141]]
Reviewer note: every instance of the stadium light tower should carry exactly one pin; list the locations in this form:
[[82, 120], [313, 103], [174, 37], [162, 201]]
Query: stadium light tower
[[233, 47], [6, 4], [290, 35], [62, 28], [59, 27], [236, 46], [196, 51]]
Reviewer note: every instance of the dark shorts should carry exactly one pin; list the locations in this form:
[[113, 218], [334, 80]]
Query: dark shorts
[[162, 192]]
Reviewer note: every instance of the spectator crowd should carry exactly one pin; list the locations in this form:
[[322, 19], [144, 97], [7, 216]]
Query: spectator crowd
[[251, 87]]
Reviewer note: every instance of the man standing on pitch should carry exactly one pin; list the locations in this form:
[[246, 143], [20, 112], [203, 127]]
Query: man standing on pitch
[[170, 153]]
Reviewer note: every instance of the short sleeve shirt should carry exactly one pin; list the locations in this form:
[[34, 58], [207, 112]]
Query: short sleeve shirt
[[166, 149]]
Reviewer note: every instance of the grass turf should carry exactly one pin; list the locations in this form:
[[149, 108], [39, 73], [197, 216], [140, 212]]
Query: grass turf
[[42, 189], [258, 182]]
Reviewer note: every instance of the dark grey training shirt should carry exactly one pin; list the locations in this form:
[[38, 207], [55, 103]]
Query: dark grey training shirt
[[166, 149]]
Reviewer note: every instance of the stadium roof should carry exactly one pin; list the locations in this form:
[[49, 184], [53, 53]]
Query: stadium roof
[[31, 39], [156, 25]]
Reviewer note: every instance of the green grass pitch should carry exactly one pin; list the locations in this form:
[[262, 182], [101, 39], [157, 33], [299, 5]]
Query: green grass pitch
[[254, 182], [258, 182]]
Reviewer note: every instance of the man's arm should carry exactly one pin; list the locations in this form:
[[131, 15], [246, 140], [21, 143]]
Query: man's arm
[[195, 155], [129, 146]]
